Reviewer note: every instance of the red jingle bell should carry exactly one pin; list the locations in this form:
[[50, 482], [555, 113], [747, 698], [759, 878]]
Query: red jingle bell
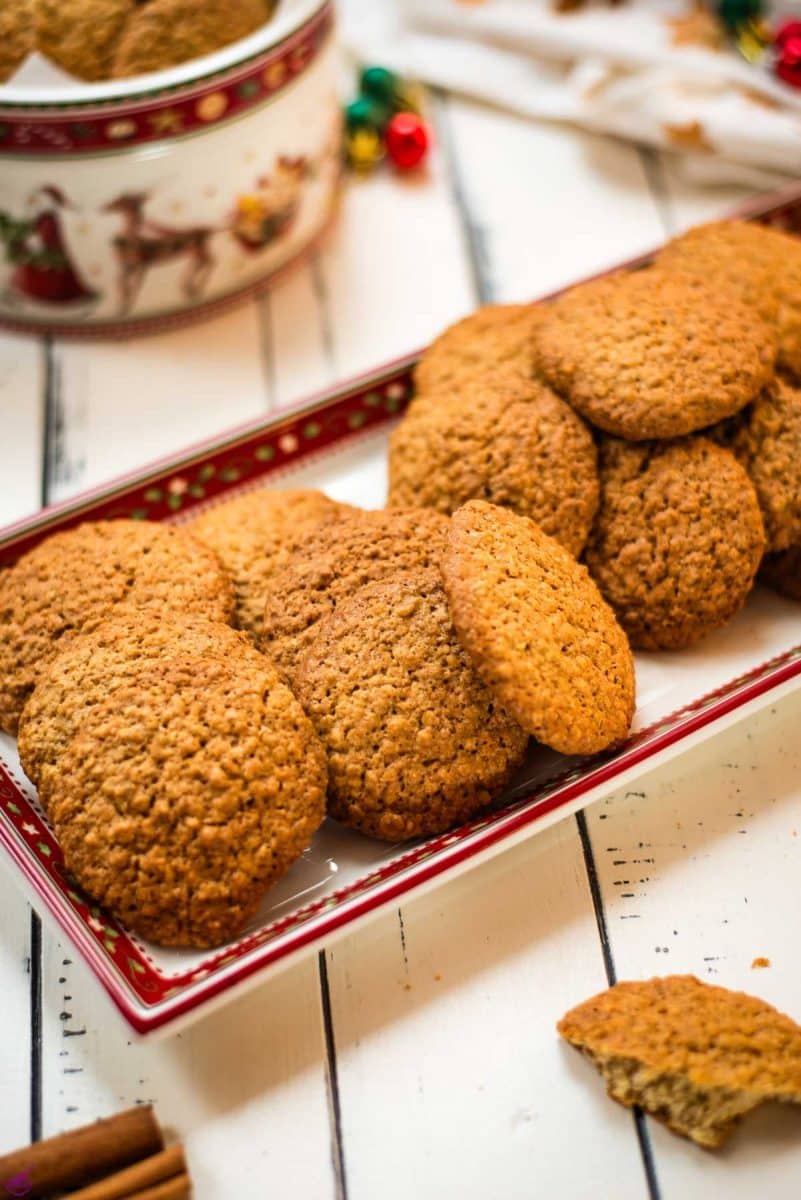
[[407, 140], [788, 60], [787, 30]]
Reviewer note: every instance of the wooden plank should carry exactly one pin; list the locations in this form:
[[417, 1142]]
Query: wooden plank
[[698, 869], [451, 1077], [685, 203], [238, 1087], [547, 205], [451, 1081], [394, 271], [21, 419], [120, 404]]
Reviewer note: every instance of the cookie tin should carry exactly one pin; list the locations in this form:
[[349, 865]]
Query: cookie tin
[[131, 205]]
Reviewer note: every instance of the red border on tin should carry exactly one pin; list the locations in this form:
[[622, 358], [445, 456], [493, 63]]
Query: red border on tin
[[111, 125]]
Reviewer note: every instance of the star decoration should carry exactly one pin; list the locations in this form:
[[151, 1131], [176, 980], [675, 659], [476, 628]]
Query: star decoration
[[169, 120]]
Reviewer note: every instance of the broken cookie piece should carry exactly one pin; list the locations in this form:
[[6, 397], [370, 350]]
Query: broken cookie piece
[[694, 1056]]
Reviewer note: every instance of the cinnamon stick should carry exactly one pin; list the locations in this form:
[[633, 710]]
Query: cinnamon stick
[[177, 1188], [75, 1158], [132, 1180]]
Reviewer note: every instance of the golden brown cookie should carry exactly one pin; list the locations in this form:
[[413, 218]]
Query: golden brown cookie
[[93, 665], [82, 36], [782, 572], [186, 794], [164, 33], [252, 534], [415, 742], [333, 561], [17, 35], [515, 444], [766, 437], [694, 1056], [72, 581], [537, 631], [497, 336], [647, 354], [761, 263], [677, 540]]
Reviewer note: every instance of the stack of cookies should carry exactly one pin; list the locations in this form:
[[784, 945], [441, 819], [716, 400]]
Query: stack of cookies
[[650, 421], [113, 39], [395, 661]]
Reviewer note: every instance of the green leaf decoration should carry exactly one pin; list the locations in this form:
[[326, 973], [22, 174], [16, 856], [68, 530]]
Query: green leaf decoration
[[265, 453], [154, 494]]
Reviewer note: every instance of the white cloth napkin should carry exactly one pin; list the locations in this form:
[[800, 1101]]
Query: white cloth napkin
[[639, 70]]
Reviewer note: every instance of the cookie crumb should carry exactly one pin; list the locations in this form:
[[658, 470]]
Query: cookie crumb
[[760, 962]]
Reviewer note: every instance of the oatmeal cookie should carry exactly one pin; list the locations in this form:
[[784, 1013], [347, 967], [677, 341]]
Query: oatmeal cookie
[[82, 36], [253, 533], [761, 263], [537, 631], [677, 541], [73, 580], [415, 742], [497, 336], [515, 444], [164, 33], [186, 794], [93, 665], [17, 35], [766, 438], [694, 1056], [646, 354], [332, 562]]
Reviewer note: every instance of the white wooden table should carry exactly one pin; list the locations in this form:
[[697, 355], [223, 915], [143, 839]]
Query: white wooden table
[[418, 1057]]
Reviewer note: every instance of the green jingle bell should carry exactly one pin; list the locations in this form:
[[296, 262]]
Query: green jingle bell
[[366, 113], [380, 85], [736, 13]]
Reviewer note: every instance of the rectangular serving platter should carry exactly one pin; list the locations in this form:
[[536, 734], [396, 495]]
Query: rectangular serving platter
[[337, 442]]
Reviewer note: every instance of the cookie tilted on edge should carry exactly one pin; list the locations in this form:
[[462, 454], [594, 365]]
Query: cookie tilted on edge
[[72, 581], [186, 794], [164, 33], [510, 441], [17, 34], [537, 630], [677, 541], [333, 562], [415, 742], [646, 354], [93, 665], [694, 1056], [253, 534]]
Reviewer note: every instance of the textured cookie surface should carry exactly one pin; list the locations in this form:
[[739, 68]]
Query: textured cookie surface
[[537, 630], [766, 438], [82, 36], [782, 572], [762, 263], [252, 535], [415, 742], [73, 580], [185, 794], [694, 1056], [498, 336], [17, 34], [332, 562], [93, 665], [644, 354], [677, 541], [515, 444], [163, 33]]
